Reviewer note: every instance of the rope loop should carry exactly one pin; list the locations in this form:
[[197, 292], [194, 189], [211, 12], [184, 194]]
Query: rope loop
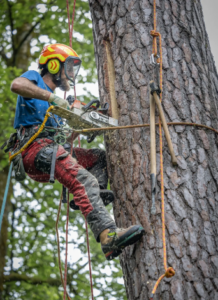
[[169, 272]]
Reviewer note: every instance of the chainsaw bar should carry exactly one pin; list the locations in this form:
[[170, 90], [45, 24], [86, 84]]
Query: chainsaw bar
[[78, 119]]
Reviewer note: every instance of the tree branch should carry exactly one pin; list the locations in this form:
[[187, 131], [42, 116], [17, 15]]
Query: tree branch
[[3, 55], [11, 24], [26, 36], [32, 280], [37, 280], [30, 248], [30, 31], [79, 269]]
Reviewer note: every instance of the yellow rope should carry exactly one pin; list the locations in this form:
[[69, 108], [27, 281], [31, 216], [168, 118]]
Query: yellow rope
[[34, 136]]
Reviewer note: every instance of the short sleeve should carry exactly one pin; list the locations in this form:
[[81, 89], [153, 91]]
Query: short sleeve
[[31, 75]]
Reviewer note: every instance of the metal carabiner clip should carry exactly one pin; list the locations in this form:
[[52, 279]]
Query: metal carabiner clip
[[152, 60]]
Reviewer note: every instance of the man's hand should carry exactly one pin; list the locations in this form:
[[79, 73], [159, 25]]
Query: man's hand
[[55, 100]]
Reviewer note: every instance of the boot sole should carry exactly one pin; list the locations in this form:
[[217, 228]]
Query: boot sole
[[126, 240]]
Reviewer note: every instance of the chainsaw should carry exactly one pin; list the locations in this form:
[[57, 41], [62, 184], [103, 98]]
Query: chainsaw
[[83, 116]]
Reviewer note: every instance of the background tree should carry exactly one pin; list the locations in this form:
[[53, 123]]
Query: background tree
[[28, 264], [190, 85]]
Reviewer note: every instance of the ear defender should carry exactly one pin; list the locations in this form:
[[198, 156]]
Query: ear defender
[[53, 66]]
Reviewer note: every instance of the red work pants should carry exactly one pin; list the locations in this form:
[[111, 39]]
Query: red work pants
[[66, 170]]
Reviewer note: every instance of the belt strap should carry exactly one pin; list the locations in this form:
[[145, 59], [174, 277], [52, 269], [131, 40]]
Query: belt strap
[[53, 161], [64, 195]]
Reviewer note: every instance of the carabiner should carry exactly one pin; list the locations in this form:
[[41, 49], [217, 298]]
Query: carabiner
[[152, 60]]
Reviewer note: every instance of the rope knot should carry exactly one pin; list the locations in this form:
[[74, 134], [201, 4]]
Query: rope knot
[[169, 272], [154, 33]]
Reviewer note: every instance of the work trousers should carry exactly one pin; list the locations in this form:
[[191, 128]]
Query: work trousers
[[74, 175]]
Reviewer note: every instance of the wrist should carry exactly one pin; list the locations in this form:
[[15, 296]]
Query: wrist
[[51, 97], [55, 100]]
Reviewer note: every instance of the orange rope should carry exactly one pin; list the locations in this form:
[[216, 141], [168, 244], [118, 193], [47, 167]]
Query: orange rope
[[58, 244], [169, 272], [70, 27], [64, 281]]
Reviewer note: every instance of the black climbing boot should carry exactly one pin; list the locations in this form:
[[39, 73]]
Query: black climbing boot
[[113, 241], [107, 197]]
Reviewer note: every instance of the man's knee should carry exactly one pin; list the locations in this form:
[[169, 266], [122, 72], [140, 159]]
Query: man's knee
[[43, 158]]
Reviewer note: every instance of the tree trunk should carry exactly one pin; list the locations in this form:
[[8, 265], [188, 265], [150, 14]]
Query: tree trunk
[[190, 85]]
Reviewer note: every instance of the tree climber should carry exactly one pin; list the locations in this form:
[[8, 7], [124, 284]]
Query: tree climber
[[59, 65]]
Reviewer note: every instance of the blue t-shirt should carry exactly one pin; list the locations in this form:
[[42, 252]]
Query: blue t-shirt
[[32, 111]]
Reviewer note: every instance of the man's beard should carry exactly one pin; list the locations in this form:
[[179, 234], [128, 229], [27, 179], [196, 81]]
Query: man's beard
[[63, 84]]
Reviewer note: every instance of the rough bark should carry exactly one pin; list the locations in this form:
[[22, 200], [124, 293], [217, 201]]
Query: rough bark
[[190, 85]]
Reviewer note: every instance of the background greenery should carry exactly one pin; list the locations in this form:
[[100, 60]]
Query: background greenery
[[31, 267]]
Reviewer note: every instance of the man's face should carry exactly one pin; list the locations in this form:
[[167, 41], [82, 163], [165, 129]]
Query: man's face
[[63, 84]]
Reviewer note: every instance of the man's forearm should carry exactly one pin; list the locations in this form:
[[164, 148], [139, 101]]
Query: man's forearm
[[28, 89]]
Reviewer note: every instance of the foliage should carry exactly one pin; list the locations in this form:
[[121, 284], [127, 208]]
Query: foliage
[[32, 250], [7, 107], [31, 270]]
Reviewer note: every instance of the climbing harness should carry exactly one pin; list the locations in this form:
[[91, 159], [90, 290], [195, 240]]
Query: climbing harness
[[18, 167], [34, 136], [53, 160]]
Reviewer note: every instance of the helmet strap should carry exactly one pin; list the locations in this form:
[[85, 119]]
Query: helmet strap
[[58, 75]]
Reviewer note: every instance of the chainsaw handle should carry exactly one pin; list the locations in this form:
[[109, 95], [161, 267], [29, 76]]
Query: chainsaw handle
[[87, 106], [104, 109]]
